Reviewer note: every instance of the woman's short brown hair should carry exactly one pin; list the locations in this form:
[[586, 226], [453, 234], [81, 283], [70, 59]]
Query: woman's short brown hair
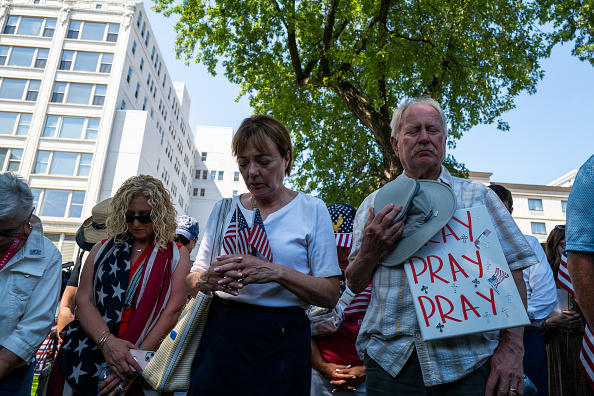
[[256, 129]]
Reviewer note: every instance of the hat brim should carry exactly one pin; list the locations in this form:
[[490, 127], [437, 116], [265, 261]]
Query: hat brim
[[445, 205], [87, 236]]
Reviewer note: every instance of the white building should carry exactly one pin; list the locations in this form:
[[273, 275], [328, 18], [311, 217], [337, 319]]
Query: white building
[[85, 103], [537, 209], [215, 175]]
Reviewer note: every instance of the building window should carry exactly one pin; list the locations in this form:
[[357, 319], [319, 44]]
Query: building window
[[564, 206], [146, 40], [197, 174], [141, 63], [195, 192], [15, 123], [134, 47], [25, 26], [153, 53], [159, 69], [220, 175], [58, 203], [10, 159], [139, 19], [71, 128], [77, 93], [535, 204], [204, 175], [112, 33], [98, 6], [123, 105], [74, 30], [236, 176], [66, 62], [18, 89], [106, 61], [538, 228], [235, 193], [144, 104], [203, 155], [99, 95], [148, 80], [202, 192], [63, 163], [213, 175], [41, 59], [143, 29], [129, 75], [93, 31], [137, 89]]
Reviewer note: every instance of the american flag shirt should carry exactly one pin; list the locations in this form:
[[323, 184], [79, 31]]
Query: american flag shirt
[[390, 329]]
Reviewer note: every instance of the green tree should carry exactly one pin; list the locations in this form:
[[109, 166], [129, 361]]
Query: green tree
[[334, 71]]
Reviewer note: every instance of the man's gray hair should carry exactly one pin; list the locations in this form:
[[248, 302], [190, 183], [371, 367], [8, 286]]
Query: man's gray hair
[[425, 99], [16, 198]]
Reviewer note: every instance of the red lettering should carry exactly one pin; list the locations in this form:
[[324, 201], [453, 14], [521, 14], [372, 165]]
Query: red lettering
[[469, 225], [447, 314], [465, 303], [432, 273], [454, 271], [414, 270], [477, 262], [452, 233], [491, 300], [424, 311]]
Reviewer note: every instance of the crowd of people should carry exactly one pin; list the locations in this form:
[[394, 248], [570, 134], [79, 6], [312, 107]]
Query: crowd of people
[[280, 254]]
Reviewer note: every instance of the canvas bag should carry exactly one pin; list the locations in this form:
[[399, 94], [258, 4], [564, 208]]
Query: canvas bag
[[170, 368]]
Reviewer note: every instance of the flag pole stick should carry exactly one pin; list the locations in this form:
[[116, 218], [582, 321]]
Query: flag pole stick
[[236, 229]]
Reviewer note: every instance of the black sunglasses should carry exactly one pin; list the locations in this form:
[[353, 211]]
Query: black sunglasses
[[144, 219]]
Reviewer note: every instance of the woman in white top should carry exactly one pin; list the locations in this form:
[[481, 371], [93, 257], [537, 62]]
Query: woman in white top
[[278, 256]]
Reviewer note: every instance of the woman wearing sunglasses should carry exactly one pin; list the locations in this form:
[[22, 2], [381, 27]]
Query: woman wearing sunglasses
[[30, 275], [130, 295]]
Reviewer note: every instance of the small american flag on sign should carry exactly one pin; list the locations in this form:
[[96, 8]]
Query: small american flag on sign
[[258, 238], [240, 230]]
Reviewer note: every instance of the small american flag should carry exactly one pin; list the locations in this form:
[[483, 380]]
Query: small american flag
[[258, 238], [587, 352], [563, 278], [344, 240], [242, 235]]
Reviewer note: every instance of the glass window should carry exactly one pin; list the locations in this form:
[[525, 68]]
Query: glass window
[[42, 162], [195, 192], [564, 206], [123, 105], [134, 47], [21, 56], [63, 163], [139, 19], [106, 61], [236, 176], [3, 54], [146, 40], [51, 124], [203, 155], [141, 63], [86, 61], [213, 175], [235, 193], [41, 60], [33, 90], [36, 194], [12, 88], [220, 175], [71, 128], [129, 75], [112, 32], [50, 28], [74, 30], [54, 203], [24, 124], [143, 29], [93, 31], [11, 25], [59, 92], [30, 26], [99, 97], [66, 62], [8, 121], [84, 167], [3, 155], [534, 204], [92, 129], [202, 192], [144, 104], [538, 228], [148, 80], [78, 198], [137, 89], [14, 160], [79, 93], [204, 175]]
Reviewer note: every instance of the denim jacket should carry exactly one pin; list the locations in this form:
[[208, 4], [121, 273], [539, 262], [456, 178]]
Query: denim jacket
[[29, 289]]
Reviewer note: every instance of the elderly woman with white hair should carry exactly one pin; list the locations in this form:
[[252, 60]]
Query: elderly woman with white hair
[[28, 303]]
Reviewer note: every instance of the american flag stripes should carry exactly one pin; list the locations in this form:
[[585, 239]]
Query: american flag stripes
[[240, 230], [344, 240], [587, 352], [258, 238]]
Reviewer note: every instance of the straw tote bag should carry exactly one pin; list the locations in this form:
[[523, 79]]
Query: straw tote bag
[[169, 369]]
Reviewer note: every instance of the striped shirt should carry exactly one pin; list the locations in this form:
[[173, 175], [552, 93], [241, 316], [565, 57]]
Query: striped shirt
[[390, 330]]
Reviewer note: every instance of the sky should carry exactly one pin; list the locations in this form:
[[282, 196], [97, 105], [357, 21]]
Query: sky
[[550, 132]]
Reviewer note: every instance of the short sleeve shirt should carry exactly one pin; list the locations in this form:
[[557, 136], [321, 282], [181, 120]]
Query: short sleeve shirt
[[579, 233]]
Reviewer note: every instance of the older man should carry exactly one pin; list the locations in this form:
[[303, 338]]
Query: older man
[[398, 361]]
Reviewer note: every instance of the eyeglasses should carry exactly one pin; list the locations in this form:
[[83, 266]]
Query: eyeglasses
[[144, 219], [560, 227]]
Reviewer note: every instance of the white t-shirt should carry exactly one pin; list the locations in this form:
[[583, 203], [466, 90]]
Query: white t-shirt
[[301, 237]]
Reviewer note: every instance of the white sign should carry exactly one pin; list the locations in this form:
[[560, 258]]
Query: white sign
[[460, 280]]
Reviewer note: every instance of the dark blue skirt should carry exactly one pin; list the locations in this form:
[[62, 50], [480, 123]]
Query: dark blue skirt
[[252, 350]]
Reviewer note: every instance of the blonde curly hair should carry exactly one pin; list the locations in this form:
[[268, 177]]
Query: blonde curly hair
[[162, 211]]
